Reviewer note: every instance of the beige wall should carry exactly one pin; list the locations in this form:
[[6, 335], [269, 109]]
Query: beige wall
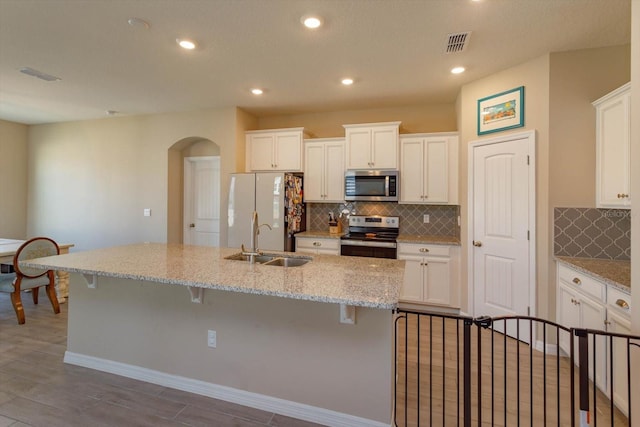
[[90, 181], [415, 119], [289, 349], [534, 76], [13, 176]]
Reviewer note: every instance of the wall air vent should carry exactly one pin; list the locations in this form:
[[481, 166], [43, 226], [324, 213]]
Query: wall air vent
[[39, 74], [457, 42]]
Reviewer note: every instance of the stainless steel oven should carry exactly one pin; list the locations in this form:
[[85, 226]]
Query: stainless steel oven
[[374, 185], [371, 236]]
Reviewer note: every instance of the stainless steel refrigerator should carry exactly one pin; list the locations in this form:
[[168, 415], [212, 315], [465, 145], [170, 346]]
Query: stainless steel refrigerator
[[277, 197]]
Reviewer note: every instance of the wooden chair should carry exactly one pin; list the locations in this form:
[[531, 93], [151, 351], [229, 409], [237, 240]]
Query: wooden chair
[[31, 278]]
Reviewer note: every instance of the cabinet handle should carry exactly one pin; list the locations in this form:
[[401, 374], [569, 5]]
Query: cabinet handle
[[577, 281], [424, 263], [424, 249], [607, 323], [317, 244], [622, 303], [622, 196]]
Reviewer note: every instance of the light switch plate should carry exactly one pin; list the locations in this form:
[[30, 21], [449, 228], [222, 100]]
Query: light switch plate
[[425, 218], [212, 339], [147, 212]]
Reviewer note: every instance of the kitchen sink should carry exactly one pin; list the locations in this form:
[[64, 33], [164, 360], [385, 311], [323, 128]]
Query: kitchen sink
[[287, 262], [260, 259], [272, 259]]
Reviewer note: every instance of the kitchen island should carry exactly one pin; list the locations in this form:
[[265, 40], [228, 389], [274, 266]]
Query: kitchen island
[[313, 342]]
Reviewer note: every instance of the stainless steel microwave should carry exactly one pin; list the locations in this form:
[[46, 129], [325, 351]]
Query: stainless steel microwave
[[371, 185]]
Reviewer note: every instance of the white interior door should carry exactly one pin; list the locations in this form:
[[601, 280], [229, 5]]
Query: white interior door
[[502, 213], [202, 201]]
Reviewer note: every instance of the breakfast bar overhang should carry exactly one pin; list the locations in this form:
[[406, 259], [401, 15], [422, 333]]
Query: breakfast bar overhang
[[314, 342]]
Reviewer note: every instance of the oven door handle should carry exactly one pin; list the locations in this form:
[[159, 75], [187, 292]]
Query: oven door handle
[[345, 242]]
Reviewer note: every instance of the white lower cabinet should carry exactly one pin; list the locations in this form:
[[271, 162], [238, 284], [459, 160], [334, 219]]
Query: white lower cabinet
[[318, 246], [431, 274], [584, 302]]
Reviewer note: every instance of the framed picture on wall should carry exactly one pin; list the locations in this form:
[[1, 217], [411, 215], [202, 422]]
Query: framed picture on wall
[[502, 111]]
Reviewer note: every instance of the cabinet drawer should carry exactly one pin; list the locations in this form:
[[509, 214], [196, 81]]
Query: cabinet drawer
[[309, 243], [423, 250], [619, 300], [582, 282]]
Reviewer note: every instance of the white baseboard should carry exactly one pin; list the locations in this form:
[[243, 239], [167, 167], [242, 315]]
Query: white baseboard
[[551, 349], [241, 397]]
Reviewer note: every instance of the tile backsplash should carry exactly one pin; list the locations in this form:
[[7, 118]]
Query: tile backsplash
[[592, 233], [443, 220]]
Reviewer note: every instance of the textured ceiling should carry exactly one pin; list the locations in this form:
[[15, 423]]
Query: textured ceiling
[[394, 49]]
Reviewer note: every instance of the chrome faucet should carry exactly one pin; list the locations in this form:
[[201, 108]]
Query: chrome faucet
[[255, 230]]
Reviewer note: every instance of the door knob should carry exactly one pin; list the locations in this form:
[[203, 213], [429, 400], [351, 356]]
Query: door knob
[[477, 243], [192, 225]]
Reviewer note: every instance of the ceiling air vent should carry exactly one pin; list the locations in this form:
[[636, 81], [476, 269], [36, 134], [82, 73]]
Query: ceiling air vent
[[457, 42], [39, 74]]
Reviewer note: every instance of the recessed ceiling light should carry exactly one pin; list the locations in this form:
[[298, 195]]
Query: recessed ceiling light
[[310, 21], [140, 23], [257, 91], [457, 70], [347, 81], [186, 44]]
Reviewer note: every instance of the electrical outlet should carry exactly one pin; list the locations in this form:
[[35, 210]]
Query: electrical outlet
[[425, 218], [211, 339]]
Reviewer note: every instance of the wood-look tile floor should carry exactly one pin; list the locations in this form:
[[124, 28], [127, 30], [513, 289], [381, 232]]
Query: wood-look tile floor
[[37, 389]]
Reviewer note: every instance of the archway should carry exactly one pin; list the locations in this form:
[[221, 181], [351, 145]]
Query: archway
[[189, 147]]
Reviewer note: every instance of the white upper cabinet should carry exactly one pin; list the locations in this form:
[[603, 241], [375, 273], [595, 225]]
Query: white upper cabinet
[[274, 150], [613, 128], [429, 168], [324, 170], [372, 145]]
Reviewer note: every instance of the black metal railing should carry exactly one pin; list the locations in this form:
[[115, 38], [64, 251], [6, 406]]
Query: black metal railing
[[454, 370]]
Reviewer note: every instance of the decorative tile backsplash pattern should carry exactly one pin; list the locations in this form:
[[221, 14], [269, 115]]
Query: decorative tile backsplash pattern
[[592, 233], [443, 220]]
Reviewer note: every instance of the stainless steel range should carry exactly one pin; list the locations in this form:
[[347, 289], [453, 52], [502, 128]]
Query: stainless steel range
[[371, 236]]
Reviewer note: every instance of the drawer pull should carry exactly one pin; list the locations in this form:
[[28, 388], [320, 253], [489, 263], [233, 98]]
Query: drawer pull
[[622, 303], [577, 281], [424, 250], [317, 244]]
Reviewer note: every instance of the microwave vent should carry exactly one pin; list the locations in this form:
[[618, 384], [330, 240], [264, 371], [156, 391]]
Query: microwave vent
[[457, 42]]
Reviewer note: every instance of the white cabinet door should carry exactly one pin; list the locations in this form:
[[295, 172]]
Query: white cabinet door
[[314, 172], [593, 316], [620, 325], [411, 169], [413, 286], [288, 151], [437, 284], [613, 127], [358, 149], [436, 171], [334, 172], [384, 147], [261, 148], [568, 315]]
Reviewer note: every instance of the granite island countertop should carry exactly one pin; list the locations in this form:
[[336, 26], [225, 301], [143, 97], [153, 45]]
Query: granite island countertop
[[357, 281], [612, 272]]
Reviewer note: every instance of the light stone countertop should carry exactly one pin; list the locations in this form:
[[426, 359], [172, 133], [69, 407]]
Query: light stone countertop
[[357, 281], [430, 240], [317, 234], [614, 273]]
